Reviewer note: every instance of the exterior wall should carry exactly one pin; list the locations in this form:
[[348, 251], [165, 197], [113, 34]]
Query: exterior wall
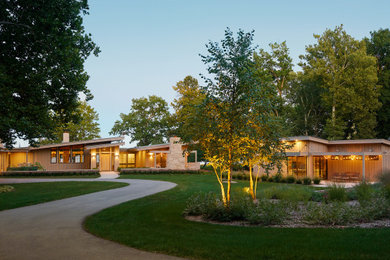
[[317, 147], [3, 161], [140, 159], [17, 159], [43, 157], [175, 158], [355, 148], [343, 166]]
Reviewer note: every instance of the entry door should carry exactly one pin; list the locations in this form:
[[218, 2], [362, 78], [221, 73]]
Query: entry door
[[105, 162]]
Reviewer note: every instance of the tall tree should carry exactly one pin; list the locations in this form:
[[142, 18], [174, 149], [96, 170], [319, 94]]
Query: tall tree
[[306, 114], [238, 107], [42, 52], [190, 96], [379, 46], [348, 75], [148, 122], [85, 129]]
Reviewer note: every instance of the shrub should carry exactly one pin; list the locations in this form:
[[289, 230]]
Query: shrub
[[337, 193], [287, 193], [336, 213], [290, 179], [306, 181], [384, 180], [264, 178], [270, 179], [125, 171], [316, 180], [22, 168], [364, 192], [317, 196], [283, 180], [373, 209], [298, 181], [49, 173], [278, 177], [268, 213], [199, 203]]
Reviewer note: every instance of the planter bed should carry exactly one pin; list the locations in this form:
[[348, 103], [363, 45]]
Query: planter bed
[[126, 171], [86, 172]]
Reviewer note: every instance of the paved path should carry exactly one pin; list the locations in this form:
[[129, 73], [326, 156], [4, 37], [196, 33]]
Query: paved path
[[53, 230]]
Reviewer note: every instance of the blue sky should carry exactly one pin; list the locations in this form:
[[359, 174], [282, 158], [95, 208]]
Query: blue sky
[[147, 46]]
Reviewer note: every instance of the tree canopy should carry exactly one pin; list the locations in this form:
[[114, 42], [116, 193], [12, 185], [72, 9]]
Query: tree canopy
[[43, 48], [85, 129], [342, 67], [378, 45], [148, 122]]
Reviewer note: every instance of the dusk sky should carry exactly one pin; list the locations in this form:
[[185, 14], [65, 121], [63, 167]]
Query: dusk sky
[[148, 46]]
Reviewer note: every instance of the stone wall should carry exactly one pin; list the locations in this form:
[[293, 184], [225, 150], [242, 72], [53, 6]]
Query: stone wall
[[175, 158]]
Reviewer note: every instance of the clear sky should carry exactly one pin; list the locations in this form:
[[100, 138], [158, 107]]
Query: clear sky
[[148, 46]]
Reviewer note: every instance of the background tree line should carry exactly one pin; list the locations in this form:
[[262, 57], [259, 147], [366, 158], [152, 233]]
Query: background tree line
[[342, 91]]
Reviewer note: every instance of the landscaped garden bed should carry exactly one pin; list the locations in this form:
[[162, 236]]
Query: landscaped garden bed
[[86, 172]]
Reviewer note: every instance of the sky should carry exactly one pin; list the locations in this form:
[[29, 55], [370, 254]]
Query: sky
[[147, 46]]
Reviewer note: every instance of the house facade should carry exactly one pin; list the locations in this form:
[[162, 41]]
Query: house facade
[[339, 160], [105, 154]]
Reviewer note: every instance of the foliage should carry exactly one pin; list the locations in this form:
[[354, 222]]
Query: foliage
[[298, 181], [268, 213], [148, 122], [337, 193], [306, 181], [290, 179], [336, 213], [378, 45], [317, 196], [124, 171], [35, 173], [190, 95], [384, 180], [264, 177], [364, 192], [347, 74], [287, 192], [22, 168], [316, 180], [87, 128], [43, 48]]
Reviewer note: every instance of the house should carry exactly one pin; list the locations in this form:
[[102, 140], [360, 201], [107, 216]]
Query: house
[[104, 154], [339, 160]]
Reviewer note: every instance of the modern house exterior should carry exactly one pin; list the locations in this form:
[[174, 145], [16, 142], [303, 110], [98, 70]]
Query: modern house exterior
[[104, 154], [339, 160]]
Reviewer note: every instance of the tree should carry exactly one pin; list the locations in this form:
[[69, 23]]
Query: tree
[[379, 46], [306, 114], [42, 52], [237, 107], [148, 122], [190, 95], [85, 129], [348, 76]]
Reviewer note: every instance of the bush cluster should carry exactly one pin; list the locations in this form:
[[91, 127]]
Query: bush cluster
[[125, 171], [49, 173], [22, 168], [241, 208]]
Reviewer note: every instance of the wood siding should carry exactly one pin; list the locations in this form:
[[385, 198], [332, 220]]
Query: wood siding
[[43, 157]]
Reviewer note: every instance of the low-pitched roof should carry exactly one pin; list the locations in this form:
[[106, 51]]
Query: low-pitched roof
[[335, 142]]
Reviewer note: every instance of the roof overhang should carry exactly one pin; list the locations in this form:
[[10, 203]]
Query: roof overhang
[[86, 142], [88, 147]]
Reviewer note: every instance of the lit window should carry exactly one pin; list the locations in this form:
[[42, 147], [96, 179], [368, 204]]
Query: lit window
[[77, 154], [131, 158], [53, 155], [64, 154]]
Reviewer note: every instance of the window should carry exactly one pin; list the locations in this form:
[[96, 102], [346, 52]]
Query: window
[[64, 154], [131, 158], [126, 160], [297, 166], [77, 154], [53, 155]]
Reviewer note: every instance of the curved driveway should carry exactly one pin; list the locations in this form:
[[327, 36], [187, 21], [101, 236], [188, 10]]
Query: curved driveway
[[53, 230]]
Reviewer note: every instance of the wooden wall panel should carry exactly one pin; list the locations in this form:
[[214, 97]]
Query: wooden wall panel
[[373, 169], [343, 166], [43, 157], [16, 159], [317, 147]]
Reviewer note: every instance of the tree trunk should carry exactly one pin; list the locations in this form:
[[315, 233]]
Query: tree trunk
[[251, 182], [229, 177]]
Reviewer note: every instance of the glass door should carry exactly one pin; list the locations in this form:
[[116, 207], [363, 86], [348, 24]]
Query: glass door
[[320, 167]]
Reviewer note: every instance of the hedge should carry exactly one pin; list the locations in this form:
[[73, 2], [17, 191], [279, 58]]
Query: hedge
[[50, 173], [157, 171], [22, 168]]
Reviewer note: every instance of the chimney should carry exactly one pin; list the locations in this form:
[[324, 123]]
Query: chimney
[[65, 137]]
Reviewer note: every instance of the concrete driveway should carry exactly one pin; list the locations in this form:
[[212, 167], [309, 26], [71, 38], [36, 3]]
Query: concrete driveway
[[53, 230]]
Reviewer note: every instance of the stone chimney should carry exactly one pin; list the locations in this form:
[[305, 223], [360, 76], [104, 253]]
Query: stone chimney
[[65, 137]]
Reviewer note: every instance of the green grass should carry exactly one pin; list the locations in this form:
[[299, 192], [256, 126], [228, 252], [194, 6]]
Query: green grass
[[33, 193], [155, 223]]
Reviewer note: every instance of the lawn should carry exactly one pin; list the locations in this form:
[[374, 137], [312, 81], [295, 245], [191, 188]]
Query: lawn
[[26, 194], [155, 223]]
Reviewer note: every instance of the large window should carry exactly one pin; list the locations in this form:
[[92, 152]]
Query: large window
[[297, 166], [64, 154], [320, 167], [53, 155], [126, 160], [77, 154]]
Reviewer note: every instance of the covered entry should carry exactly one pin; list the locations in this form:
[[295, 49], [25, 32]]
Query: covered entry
[[105, 157]]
